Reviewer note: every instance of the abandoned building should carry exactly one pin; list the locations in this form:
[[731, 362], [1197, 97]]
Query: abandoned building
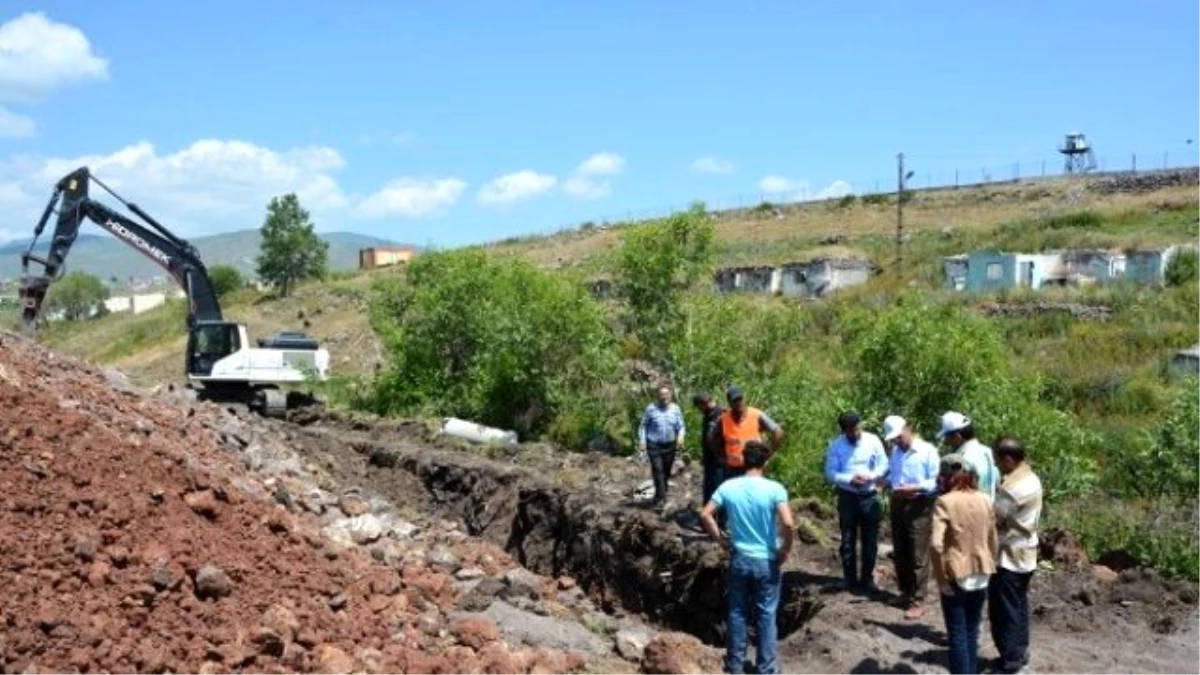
[[1185, 362], [991, 270], [384, 256], [811, 279]]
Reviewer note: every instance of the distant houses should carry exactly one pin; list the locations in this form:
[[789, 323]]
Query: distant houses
[[809, 279], [989, 270]]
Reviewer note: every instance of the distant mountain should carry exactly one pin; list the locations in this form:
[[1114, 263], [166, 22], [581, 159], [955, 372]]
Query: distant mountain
[[106, 256]]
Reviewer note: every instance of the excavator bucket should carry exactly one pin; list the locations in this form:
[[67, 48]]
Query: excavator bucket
[[32, 294]]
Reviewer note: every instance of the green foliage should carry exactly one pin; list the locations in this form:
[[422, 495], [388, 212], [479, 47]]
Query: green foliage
[[760, 346], [846, 201], [1167, 464], [78, 295], [920, 359], [1183, 268], [500, 342], [656, 264], [225, 279], [291, 250], [875, 199], [1162, 535]]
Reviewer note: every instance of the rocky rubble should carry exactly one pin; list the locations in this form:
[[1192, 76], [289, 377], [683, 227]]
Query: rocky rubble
[[1036, 308], [136, 539], [1150, 181]]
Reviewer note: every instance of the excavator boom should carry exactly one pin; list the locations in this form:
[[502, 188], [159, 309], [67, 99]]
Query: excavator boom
[[73, 204]]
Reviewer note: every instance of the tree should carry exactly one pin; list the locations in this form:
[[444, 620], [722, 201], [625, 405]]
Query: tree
[[497, 341], [78, 295], [225, 279], [657, 263], [291, 251]]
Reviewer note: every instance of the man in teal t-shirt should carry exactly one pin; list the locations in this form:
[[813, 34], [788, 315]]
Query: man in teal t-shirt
[[761, 532]]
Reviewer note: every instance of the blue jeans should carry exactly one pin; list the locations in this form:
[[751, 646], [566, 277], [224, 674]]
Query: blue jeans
[[752, 582], [963, 611]]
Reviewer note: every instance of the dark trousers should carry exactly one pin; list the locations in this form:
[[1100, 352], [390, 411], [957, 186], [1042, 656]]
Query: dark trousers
[[714, 474], [859, 515], [911, 524], [963, 612], [662, 458], [1008, 613]]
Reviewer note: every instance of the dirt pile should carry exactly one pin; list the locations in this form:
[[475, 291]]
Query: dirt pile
[[134, 541]]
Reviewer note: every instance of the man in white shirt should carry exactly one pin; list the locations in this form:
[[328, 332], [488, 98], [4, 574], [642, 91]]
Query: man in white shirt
[[854, 463], [1018, 508], [958, 432], [912, 481]]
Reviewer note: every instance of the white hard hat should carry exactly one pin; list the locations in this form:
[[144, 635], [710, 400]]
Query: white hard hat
[[892, 426], [951, 422]]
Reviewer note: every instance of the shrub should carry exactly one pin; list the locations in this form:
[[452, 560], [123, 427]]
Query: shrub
[[1183, 268], [500, 342], [225, 279], [919, 360]]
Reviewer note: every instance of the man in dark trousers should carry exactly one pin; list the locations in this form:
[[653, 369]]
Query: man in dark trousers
[[660, 435], [712, 449], [1018, 507], [854, 463]]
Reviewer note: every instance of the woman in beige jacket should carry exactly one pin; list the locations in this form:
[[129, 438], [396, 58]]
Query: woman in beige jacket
[[963, 557]]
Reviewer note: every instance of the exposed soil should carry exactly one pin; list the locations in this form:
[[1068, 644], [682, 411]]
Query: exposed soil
[[155, 533], [134, 540]]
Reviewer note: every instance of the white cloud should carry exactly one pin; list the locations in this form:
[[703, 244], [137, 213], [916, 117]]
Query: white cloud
[[411, 197], [788, 189], [219, 185], [585, 182], [587, 188], [601, 164], [835, 190], [711, 165], [14, 125], [39, 56], [514, 187]]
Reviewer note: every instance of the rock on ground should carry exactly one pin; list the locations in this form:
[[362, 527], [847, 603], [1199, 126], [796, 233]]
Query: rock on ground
[[135, 540]]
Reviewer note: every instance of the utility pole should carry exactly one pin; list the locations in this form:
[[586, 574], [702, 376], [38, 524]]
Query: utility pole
[[899, 213]]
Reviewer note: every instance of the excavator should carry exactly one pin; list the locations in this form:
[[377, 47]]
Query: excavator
[[220, 362]]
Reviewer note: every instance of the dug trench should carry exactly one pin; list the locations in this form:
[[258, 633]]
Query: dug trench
[[567, 513], [570, 521]]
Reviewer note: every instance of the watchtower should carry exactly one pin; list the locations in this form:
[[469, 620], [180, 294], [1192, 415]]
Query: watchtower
[[1078, 153]]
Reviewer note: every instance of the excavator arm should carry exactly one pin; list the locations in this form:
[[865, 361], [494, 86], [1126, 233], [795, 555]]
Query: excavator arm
[[178, 257]]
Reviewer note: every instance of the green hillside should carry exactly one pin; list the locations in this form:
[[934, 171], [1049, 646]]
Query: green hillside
[[107, 257]]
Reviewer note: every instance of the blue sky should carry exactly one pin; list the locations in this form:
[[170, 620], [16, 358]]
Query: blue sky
[[392, 118]]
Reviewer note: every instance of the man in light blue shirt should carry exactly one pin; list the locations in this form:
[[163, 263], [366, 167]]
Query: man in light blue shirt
[[855, 462], [912, 481], [761, 533], [958, 432], [660, 436]]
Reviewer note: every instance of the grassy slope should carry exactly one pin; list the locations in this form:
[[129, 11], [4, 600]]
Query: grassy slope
[[149, 346]]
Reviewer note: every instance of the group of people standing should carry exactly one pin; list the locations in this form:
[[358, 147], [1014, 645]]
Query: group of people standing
[[970, 517]]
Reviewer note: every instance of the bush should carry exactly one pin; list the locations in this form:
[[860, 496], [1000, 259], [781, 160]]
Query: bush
[[919, 360], [1183, 268], [761, 347], [225, 279], [499, 342], [1167, 464]]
